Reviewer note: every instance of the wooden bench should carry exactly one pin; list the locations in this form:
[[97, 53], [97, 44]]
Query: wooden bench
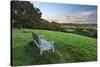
[[42, 44]]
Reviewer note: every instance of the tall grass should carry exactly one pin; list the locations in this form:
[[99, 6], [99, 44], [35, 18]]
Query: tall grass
[[68, 48]]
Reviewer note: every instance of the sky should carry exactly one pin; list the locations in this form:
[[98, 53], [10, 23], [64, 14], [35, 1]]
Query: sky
[[67, 13]]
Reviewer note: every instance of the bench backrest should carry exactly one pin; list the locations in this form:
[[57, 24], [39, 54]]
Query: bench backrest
[[37, 37], [42, 43]]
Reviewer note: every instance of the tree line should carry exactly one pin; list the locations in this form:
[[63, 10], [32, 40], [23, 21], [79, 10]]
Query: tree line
[[25, 15]]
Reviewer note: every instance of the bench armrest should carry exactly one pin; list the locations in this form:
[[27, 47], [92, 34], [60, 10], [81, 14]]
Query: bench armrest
[[41, 37], [51, 42], [52, 45]]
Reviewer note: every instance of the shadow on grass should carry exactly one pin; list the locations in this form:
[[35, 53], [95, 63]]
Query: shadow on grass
[[32, 53], [29, 55]]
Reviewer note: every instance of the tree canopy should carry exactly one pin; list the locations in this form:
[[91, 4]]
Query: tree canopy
[[23, 13]]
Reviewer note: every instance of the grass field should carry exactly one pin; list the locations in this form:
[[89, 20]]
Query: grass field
[[68, 48]]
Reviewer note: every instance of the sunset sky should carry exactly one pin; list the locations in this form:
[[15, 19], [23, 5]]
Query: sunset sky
[[67, 13]]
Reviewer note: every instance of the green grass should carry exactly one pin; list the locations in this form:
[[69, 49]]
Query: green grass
[[68, 48]]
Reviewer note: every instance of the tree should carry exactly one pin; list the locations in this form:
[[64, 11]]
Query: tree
[[23, 13]]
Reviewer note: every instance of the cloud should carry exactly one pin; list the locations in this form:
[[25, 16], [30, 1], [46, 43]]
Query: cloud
[[56, 19], [86, 14], [81, 17]]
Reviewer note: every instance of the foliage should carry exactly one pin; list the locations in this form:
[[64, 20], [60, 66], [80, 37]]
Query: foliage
[[23, 14], [82, 29]]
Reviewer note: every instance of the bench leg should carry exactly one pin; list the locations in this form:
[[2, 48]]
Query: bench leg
[[52, 49], [52, 46], [41, 52]]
